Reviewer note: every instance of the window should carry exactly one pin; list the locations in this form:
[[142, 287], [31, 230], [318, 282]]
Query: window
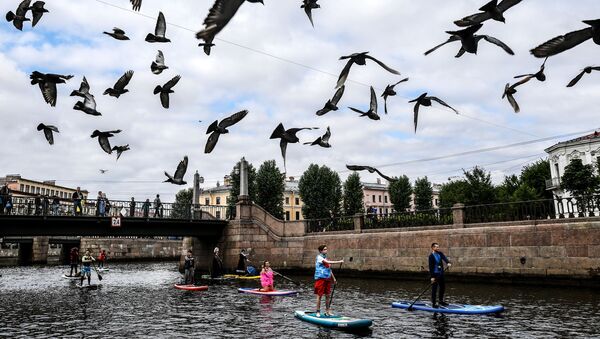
[[37, 190], [287, 200], [27, 188], [297, 215], [218, 202], [385, 198], [52, 192], [206, 201], [373, 197], [21, 188], [43, 191], [218, 214], [380, 198], [436, 202], [386, 211], [297, 201], [287, 215]]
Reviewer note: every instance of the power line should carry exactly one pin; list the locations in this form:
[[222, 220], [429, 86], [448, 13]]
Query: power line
[[299, 64]]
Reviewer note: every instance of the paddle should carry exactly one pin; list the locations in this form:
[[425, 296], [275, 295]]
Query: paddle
[[98, 273], [333, 289], [410, 308], [286, 278]]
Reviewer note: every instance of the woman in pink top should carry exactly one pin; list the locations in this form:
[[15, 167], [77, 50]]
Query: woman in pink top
[[266, 277]]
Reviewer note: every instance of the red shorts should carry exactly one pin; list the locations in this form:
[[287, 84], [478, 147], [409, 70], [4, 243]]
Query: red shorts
[[323, 286]]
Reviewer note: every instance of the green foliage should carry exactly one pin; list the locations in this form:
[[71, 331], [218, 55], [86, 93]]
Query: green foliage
[[182, 206], [580, 179], [235, 187], [423, 194], [400, 192], [453, 192], [321, 190], [535, 176], [270, 186], [480, 189], [505, 191], [353, 195], [525, 193]]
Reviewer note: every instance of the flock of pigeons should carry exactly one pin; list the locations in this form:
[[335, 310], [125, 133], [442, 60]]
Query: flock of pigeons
[[221, 13]]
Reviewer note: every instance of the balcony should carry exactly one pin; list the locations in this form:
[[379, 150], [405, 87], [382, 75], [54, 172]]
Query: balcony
[[552, 184]]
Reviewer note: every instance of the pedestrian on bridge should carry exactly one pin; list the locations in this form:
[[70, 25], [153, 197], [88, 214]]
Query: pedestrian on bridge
[[77, 197], [38, 205], [132, 208], [9, 204], [146, 208], [157, 206], [55, 205], [3, 197]]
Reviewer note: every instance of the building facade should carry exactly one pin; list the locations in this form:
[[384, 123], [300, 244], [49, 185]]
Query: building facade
[[377, 196], [21, 187]]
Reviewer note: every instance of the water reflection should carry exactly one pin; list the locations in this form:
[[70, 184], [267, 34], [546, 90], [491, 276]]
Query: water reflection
[[440, 323]]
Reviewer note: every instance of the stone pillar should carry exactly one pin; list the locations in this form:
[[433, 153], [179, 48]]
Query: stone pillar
[[243, 206], [359, 222], [40, 250], [243, 178], [201, 250], [196, 210], [458, 215]]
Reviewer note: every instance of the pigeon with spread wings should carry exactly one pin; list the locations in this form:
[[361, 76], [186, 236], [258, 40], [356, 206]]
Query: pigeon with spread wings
[[165, 90], [331, 104], [390, 92], [372, 112], [117, 33], [119, 88], [308, 6], [359, 59], [425, 100], [48, 129], [177, 178], [371, 170], [218, 128], [158, 65], [88, 105], [491, 10], [103, 139], [470, 41], [286, 136], [47, 83], [159, 30], [18, 16], [322, 141], [120, 150], [586, 70], [565, 42]]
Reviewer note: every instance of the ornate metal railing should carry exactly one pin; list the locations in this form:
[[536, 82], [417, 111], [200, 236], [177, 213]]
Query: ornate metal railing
[[93, 208], [329, 224], [442, 216], [576, 207]]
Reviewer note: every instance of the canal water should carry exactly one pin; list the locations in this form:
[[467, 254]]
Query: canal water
[[138, 300]]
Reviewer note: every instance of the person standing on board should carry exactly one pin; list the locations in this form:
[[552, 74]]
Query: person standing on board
[[217, 265], [324, 278], [436, 270], [74, 260], [188, 265], [86, 268], [101, 258], [243, 259], [266, 277]]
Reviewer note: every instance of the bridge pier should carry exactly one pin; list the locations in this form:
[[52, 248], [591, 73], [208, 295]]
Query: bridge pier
[[201, 250], [40, 250]]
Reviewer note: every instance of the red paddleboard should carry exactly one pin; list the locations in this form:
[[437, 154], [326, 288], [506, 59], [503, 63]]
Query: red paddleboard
[[191, 287]]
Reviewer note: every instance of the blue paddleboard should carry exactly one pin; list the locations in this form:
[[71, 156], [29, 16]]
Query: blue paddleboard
[[451, 308], [335, 321]]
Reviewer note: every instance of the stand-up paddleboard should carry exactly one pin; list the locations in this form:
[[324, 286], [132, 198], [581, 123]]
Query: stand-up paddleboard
[[241, 277], [86, 286], [103, 269], [66, 276], [275, 293], [191, 287], [334, 321], [451, 308]]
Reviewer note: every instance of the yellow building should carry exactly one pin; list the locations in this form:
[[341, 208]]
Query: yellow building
[[21, 187]]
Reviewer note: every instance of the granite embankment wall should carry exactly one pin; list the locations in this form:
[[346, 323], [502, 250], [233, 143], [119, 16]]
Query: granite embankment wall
[[123, 249], [549, 250]]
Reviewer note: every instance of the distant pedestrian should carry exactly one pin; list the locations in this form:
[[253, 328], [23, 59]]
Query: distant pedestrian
[[436, 270], [101, 258], [38, 205], [217, 264], [55, 205], [157, 206], [9, 204], [132, 208], [29, 206], [146, 208], [4, 193], [45, 205], [74, 261], [77, 197], [100, 205], [106, 204], [189, 265]]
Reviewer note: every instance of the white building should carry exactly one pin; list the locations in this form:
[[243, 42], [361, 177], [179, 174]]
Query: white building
[[586, 148]]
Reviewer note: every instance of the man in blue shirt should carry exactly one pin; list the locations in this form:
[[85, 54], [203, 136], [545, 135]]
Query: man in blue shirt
[[436, 270], [324, 278]]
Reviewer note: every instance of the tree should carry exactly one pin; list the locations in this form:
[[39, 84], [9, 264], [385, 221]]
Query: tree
[[453, 192], [505, 191], [525, 193], [535, 176], [353, 195], [321, 190], [580, 179], [479, 187], [270, 186], [235, 187], [400, 193], [423, 194], [182, 207]]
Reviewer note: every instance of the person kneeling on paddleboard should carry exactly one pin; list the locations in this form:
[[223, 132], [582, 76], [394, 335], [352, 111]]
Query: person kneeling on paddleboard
[[266, 277], [189, 265], [86, 269], [436, 270], [324, 278]]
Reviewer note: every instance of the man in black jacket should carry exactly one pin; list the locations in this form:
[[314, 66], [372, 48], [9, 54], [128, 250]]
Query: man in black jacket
[[436, 270]]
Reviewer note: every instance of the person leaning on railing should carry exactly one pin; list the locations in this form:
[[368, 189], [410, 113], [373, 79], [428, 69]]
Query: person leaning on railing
[[77, 196]]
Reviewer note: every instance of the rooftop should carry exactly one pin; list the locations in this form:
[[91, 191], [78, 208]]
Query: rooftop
[[592, 137]]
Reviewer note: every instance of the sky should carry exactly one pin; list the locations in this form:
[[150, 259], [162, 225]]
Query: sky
[[270, 61]]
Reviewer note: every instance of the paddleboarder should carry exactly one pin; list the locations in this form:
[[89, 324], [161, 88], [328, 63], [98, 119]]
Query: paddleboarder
[[243, 259], [189, 264], [86, 268], [217, 264], [101, 258], [436, 270], [324, 278], [266, 277], [74, 260]]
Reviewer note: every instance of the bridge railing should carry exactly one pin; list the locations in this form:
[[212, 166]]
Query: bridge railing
[[432, 217], [136, 209], [345, 223]]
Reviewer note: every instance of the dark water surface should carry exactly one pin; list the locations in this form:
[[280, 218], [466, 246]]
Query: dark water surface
[[138, 300]]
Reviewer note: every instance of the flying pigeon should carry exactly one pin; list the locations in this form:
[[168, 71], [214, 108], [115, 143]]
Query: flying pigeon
[[372, 112], [308, 6], [539, 75], [470, 41], [286, 136], [118, 34], [218, 17], [510, 90], [562, 43], [37, 10], [177, 179], [48, 129], [331, 104], [491, 10], [389, 92], [102, 171], [103, 139], [18, 17], [359, 59], [587, 70], [216, 129], [89, 104], [322, 141], [165, 90], [159, 65], [137, 4], [371, 170], [159, 31], [47, 84], [206, 47], [120, 149], [119, 88], [424, 100]]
